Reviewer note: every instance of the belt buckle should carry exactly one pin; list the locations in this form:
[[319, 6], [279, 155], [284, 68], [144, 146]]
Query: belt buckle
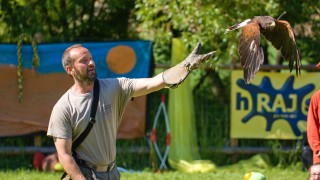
[[107, 168], [110, 167]]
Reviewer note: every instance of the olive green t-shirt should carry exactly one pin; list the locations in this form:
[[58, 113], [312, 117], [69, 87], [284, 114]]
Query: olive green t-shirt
[[71, 114]]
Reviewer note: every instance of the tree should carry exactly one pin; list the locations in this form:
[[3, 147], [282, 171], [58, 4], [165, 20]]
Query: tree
[[205, 21], [66, 20], [160, 21]]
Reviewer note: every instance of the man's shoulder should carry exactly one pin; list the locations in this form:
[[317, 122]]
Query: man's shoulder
[[63, 101], [316, 95], [115, 81]]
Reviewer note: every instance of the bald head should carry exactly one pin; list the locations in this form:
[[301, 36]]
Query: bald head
[[67, 59], [314, 172]]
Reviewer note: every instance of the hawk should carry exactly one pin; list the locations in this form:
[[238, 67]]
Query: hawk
[[278, 32]]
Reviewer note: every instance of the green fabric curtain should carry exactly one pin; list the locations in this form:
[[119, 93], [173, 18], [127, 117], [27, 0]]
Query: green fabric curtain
[[184, 155]]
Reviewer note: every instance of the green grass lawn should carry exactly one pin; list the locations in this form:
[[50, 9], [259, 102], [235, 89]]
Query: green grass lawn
[[233, 172]]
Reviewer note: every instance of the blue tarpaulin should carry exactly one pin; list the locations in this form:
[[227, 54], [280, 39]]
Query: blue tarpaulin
[[50, 57], [44, 86]]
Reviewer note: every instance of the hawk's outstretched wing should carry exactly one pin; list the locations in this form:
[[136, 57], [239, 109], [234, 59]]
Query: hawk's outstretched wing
[[251, 54], [282, 38]]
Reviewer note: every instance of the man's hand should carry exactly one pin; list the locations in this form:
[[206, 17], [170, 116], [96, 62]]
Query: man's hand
[[194, 59], [177, 74]]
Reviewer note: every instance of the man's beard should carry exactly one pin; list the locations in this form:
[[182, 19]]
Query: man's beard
[[86, 77]]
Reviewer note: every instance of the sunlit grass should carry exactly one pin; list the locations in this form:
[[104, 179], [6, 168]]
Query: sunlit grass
[[233, 172]]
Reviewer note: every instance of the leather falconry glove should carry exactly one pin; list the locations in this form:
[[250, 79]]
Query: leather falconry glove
[[174, 76]]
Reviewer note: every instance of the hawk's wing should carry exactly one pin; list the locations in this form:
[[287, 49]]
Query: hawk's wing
[[282, 38], [251, 54]]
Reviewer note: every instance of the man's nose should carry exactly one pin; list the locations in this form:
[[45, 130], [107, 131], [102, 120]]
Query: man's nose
[[91, 63]]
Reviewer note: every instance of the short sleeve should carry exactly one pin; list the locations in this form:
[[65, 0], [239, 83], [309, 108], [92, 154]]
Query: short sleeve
[[127, 87], [59, 123]]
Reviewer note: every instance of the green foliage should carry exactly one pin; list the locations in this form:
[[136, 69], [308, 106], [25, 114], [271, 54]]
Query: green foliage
[[205, 21], [193, 21], [285, 158], [13, 162], [130, 152], [66, 20]]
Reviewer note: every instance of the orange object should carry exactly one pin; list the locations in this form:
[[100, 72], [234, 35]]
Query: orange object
[[313, 125]]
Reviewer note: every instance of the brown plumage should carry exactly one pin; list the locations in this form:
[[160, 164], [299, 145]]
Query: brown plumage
[[278, 32]]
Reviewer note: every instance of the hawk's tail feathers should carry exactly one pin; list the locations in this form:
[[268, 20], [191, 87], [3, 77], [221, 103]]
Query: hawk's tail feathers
[[237, 26]]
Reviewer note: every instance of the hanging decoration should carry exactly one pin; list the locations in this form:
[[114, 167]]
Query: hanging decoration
[[35, 60]]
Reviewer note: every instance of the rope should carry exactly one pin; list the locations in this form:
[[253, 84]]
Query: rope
[[35, 60], [153, 135]]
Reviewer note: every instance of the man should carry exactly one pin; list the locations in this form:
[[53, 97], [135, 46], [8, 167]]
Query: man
[[313, 123], [314, 171], [70, 114]]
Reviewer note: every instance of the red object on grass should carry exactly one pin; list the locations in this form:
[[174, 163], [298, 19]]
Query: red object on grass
[[37, 160]]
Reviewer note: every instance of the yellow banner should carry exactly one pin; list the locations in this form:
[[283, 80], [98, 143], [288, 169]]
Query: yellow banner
[[274, 106]]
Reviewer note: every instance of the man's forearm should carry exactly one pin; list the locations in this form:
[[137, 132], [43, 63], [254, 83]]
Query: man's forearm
[[71, 167], [145, 86]]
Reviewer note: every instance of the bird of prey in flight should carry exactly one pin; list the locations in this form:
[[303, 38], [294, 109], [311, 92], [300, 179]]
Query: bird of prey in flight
[[278, 32]]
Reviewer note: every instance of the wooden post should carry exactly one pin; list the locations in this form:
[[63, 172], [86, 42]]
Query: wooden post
[[234, 144], [38, 141]]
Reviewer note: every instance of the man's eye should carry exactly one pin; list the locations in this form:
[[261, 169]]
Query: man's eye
[[83, 61]]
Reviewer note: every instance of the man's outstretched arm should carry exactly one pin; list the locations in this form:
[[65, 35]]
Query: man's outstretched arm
[[173, 76], [148, 85]]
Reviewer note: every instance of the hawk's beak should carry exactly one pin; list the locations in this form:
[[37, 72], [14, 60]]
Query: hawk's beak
[[273, 24]]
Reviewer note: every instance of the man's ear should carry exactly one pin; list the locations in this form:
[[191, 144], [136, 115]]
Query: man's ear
[[69, 70]]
